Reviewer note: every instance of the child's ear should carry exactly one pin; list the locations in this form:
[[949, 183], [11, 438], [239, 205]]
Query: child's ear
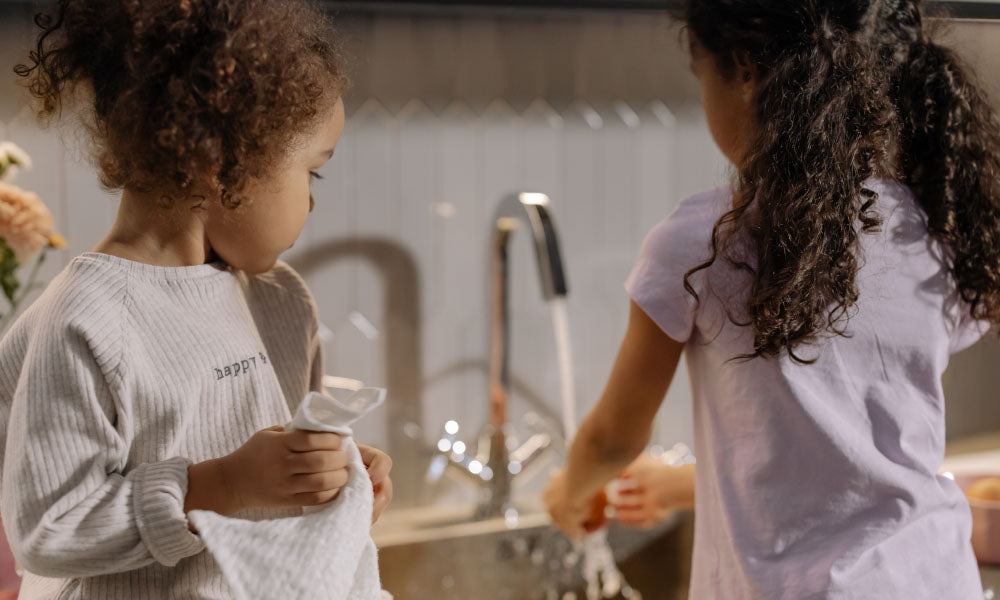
[[745, 75]]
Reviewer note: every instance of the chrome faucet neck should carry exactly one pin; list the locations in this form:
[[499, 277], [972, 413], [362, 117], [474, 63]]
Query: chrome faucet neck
[[530, 211]]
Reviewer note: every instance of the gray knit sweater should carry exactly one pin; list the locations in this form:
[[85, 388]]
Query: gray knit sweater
[[115, 380]]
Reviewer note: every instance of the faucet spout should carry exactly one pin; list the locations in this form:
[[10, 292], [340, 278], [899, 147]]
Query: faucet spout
[[529, 211], [525, 210]]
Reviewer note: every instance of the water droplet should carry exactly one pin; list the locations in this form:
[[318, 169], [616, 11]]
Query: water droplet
[[447, 582]]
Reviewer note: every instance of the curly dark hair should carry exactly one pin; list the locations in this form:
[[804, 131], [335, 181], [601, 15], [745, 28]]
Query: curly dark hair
[[184, 91], [848, 90]]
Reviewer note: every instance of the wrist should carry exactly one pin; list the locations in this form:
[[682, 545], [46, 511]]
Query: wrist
[[233, 498], [210, 487]]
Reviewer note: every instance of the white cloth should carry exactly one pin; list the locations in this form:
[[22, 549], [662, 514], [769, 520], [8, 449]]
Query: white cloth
[[327, 553]]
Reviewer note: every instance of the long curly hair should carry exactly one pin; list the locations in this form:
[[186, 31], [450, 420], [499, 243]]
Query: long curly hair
[[180, 92], [847, 90]]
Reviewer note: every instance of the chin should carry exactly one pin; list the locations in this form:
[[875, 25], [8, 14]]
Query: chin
[[256, 268]]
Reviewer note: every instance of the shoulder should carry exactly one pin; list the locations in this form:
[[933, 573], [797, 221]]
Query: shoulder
[[284, 278], [282, 285], [687, 230], [85, 295], [83, 307]]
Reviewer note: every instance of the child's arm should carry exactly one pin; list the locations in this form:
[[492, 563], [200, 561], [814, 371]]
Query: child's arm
[[617, 429], [72, 511], [69, 507]]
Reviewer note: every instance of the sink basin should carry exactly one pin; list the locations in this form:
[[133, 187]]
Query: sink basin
[[440, 553], [427, 524]]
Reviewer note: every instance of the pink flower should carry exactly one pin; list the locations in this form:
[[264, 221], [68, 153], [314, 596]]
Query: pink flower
[[25, 223]]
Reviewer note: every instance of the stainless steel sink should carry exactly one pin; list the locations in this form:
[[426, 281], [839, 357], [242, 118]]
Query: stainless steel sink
[[439, 554]]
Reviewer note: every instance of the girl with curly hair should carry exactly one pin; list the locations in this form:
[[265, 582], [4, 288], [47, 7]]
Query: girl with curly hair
[[817, 301], [153, 375]]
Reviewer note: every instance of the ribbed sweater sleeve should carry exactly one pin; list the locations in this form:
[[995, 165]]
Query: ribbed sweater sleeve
[[71, 509]]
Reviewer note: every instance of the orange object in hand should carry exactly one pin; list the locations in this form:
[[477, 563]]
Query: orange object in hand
[[596, 517]]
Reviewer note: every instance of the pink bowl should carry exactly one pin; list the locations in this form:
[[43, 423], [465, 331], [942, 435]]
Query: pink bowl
[[985, 522]]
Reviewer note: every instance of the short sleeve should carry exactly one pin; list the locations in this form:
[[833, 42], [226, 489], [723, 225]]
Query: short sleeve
[[967, 333], [676, 245]]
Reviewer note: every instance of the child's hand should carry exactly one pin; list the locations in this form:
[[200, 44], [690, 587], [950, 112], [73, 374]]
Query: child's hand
[[378, 464], [651, 491], [277, 468], [573, 519]]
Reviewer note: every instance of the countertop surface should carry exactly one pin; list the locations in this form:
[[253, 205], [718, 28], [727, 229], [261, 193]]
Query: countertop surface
[[991, 578], [977, 453]]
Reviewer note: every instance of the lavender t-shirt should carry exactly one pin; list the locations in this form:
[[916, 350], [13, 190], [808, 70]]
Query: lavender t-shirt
[[821, 481]]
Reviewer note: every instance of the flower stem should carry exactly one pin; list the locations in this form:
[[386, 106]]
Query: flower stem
[[26, 288], [29, 285]]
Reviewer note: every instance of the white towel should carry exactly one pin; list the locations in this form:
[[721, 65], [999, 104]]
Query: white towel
[[327, 553]]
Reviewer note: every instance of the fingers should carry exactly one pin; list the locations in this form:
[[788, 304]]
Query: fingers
[[593, 524], [383, 496], [310, 441], [329, 481], [315, 498], [317, 461], [573, 530], [378, 463], [633, 498], [638, 516]]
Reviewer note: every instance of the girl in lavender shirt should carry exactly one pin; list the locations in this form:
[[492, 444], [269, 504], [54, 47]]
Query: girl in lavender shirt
[[817, 301]]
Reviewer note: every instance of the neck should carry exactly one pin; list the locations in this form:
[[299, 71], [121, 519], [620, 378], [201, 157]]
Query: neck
[[147, 232]]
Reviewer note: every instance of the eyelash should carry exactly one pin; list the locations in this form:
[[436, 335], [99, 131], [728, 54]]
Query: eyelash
[[315, 175]]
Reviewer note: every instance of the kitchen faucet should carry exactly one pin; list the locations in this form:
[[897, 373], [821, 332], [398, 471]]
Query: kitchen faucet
[[493, 465]]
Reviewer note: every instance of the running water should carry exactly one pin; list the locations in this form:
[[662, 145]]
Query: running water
[[564, 355], [604, 579]]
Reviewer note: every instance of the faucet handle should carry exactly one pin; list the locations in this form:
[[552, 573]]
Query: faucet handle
[[443, 446], [450, 454], [528, 452]]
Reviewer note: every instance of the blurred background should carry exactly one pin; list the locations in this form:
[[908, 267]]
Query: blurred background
[[453, 107]]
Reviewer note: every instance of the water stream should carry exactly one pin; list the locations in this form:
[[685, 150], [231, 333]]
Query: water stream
[[604, 579]]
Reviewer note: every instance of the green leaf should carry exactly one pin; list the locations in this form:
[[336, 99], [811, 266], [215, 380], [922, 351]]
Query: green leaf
[[8, 271], [10, 284]]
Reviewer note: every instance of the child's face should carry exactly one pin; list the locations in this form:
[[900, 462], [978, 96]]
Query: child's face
[[728, 101], [270, 219]]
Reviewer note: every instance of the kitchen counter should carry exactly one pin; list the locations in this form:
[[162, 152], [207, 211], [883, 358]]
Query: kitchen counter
[[977, 453], [991, 578]]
